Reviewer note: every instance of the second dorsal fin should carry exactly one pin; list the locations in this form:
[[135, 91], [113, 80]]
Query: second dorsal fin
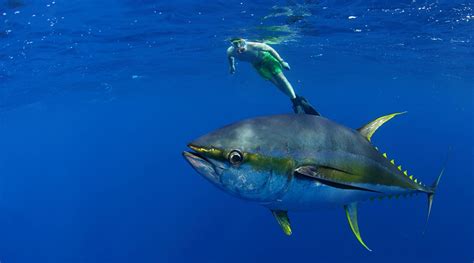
[[369, 129]]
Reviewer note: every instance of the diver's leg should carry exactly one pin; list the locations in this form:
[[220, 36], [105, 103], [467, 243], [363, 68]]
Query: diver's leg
[[274, 81], [284, 85], [300, 104]]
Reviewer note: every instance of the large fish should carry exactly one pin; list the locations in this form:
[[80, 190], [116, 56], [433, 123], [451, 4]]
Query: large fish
[[302, 162]]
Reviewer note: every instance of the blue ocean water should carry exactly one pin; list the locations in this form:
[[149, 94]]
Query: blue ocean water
[[99, 98]]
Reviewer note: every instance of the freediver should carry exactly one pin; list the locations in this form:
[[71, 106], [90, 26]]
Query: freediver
[[269, 65]]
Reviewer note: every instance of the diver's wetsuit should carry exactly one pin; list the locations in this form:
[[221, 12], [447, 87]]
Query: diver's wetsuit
[[269, 66]]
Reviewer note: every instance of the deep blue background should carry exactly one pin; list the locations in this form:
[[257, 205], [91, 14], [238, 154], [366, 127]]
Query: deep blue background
[[99, 98]]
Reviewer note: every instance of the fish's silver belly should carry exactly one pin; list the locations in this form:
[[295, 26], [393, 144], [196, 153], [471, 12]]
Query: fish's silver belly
[[310, 194]]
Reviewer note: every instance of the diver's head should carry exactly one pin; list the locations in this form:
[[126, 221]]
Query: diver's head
[[239, 44]]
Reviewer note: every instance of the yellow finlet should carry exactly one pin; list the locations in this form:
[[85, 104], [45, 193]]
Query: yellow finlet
[[399, 167], [384, 155], [416, 180], [411, 177], [405, 173], [392, 161]]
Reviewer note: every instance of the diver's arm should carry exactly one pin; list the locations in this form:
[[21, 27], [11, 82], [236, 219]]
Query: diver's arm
[[232, 64], [231, 60]]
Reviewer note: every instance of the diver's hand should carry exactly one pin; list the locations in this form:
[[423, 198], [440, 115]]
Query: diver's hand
[[232, 70], [285, 65]]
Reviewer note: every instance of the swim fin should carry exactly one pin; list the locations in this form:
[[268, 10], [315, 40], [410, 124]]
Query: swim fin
[[302, 106]]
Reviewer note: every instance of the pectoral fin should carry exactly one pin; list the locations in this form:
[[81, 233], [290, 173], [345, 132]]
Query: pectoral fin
[[351, 213], [331, 177], [283, 221]]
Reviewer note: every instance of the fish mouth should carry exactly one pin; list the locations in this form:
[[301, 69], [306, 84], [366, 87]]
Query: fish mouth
[[202, 164]]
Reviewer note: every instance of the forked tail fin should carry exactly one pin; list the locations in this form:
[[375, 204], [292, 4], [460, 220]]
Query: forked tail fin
[[432, 193], [431, 197]]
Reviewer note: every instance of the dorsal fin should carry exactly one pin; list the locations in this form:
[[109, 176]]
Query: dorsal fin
[[369, 129]]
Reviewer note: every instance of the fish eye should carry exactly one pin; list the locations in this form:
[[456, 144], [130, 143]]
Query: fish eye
[[235, 157]]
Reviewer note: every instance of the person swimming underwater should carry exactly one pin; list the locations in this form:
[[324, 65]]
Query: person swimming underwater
[[270, 66]]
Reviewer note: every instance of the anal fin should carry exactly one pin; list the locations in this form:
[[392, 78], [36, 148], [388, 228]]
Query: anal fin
[[283, 221], [351, 213]]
